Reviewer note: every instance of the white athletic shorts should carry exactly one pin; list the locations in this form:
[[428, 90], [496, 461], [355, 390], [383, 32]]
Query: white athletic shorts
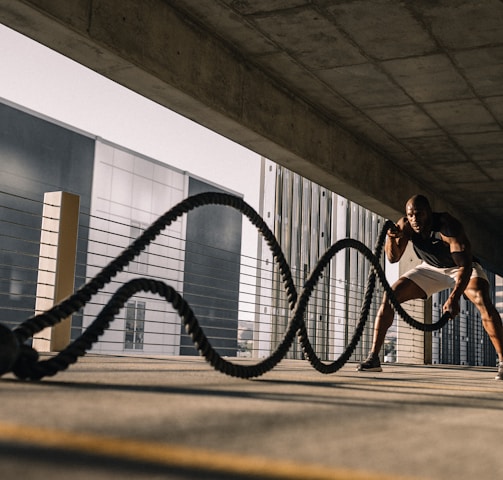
[[434, 279]]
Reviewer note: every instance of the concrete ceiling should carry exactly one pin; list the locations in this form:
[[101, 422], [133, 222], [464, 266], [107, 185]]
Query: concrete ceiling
[[420, 81], [412, 89]]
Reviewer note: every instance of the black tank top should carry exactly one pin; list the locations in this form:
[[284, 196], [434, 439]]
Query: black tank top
[[432, 249]]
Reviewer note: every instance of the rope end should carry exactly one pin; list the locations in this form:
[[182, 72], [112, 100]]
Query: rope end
[[9, 349]]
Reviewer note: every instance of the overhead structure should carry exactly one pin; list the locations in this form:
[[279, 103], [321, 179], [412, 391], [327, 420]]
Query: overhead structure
[[375, 100]]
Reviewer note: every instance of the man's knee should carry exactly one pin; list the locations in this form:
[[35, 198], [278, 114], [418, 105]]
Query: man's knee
[[405, 289], [478, 293]]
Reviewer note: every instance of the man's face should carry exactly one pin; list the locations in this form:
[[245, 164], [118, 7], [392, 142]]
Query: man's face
[[419, 217]]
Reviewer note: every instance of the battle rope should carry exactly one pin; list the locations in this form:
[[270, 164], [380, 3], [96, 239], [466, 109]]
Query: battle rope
[[24, 362]]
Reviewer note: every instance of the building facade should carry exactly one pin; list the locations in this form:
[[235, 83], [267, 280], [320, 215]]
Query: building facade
[[121, 193], [307, 219], [36, 156], [463, 341]]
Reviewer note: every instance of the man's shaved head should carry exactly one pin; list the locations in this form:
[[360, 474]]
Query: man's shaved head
[[420, 202]]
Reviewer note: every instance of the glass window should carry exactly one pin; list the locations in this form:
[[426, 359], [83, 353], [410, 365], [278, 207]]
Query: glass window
[[135, 325], [140, 263]]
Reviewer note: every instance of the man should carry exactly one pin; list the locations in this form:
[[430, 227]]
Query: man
[[440, 242]]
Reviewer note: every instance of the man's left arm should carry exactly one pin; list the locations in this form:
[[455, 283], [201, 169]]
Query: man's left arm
[[461, 253]]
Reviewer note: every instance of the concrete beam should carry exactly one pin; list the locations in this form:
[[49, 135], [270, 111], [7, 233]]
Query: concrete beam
[[149, 48], [157, 52]]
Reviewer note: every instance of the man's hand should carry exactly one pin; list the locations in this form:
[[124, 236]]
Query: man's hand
[[395, 231], [397, 240], [452, 307]]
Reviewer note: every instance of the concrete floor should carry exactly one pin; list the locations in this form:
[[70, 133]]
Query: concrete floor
[[112, 417]]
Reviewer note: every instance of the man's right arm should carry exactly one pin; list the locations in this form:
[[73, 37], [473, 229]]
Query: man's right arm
[[396, 240]]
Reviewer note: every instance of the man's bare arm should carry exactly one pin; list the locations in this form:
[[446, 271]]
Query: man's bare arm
[[397, 240], [461, 252]]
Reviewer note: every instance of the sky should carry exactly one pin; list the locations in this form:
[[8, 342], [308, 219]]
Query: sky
[[47, 83]]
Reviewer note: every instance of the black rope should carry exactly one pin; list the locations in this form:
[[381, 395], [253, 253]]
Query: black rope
[[24, 362]]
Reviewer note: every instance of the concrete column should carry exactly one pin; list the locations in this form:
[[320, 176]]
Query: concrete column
[[56, 267], [428, 337], [410, 341]]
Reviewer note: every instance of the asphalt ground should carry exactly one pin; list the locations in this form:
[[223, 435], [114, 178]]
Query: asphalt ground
[[119, 417]]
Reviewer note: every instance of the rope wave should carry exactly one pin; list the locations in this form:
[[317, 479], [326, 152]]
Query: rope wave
[[24, 362]]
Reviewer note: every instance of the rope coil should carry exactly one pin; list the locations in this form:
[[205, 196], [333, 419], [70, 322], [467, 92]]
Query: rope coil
[[24, 362]]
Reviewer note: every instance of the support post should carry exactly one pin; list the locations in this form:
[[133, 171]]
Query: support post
[[56, 267], [410, 341], [428, 337]]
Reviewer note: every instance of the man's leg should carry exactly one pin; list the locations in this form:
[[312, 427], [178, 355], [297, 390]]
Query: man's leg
[[404, 290], [477, 292]]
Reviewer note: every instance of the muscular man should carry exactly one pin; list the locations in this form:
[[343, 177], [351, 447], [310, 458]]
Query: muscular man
[[440, 242]]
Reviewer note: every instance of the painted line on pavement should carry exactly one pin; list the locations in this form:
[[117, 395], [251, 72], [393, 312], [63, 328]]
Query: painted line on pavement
[[177, 456]]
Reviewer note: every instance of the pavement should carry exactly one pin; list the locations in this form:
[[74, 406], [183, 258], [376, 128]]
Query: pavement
[[120, 417]]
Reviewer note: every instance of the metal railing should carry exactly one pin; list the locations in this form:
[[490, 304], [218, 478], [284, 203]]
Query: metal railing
[[147, 325]]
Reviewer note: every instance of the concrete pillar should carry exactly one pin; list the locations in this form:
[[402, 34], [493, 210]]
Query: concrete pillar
[[428, 336], [56, 267], [410, 341]]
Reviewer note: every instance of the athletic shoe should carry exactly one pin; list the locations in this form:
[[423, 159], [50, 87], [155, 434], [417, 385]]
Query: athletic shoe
[[373, 364], [499, 376]]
